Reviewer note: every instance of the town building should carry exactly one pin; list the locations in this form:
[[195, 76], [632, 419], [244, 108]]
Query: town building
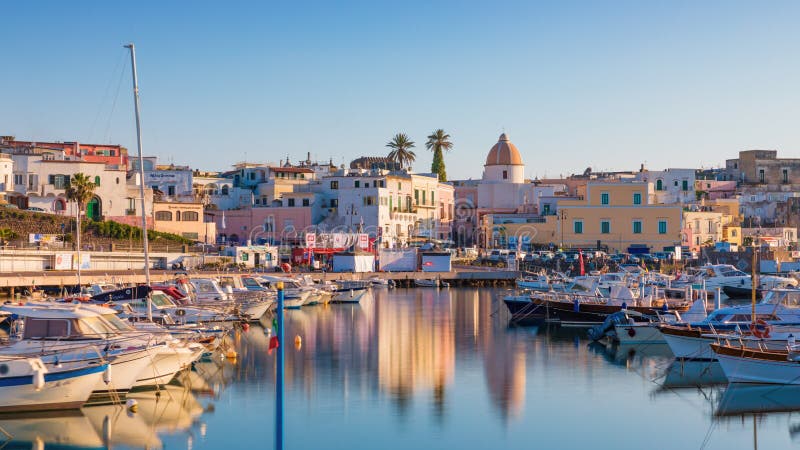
[[763, 167], [113, 155], [671, 186], [618, 216]]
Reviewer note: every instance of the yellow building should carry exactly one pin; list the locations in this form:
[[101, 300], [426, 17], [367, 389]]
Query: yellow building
[[619, 215], [183, 219]]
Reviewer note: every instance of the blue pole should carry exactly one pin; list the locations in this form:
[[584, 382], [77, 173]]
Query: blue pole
[[279, 382]]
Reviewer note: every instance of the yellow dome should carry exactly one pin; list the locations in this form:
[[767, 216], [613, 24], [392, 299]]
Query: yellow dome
[[504, 153]]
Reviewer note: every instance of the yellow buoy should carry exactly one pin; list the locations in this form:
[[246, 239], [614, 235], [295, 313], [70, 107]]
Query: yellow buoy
[[298, 341], [231, 354]]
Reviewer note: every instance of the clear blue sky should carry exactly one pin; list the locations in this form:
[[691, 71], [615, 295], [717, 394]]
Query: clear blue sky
[[575, 84]]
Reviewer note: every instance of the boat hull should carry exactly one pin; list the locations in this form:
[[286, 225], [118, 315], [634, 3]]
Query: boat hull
[[745, 368], [68, 389], [638, 334]]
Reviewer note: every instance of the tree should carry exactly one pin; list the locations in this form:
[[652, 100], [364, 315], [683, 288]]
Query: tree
[[80, 189], [401, 152], [439, 141]]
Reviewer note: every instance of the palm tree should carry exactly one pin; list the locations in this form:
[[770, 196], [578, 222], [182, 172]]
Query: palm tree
[[401, 152], [439, 141], [80, 189]]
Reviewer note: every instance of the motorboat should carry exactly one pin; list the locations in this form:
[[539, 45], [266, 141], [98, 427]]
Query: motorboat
[[714, 276], [294, 294], [350, 297], [28, 384]]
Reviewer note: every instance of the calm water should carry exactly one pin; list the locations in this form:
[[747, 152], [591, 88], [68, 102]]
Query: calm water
[[414, 369]]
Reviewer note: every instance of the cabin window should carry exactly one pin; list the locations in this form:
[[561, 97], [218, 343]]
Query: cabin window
[[43, 328]]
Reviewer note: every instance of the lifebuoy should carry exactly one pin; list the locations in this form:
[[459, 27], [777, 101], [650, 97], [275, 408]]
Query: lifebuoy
[[761, 329]]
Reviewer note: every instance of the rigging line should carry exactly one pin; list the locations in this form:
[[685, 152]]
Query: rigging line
[[107, 134], [106, 93]]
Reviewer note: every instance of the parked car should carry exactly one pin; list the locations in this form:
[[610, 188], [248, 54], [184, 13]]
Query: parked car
[[10, 206], [531, 257], [35, 209]]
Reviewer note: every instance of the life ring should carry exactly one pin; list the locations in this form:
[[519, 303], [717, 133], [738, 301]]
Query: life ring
[[761, 329]]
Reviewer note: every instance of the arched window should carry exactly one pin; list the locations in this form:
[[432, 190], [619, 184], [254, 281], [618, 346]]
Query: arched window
[[659, 185], [97, 180], [224, 189], [164, 216], [190, 216]]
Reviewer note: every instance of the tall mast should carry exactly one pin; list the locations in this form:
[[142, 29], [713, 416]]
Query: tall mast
[[141, 173]]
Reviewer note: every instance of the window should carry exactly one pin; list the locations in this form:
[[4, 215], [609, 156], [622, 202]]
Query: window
[[605, 226], [659, 185], [306, 202], [170, 190], [604, 198], [190, 216], [423, 197], [760, 175], [685, 185], [224, 189], [675, 183], [17, 178], [369, 200], [785, 175], [252, 175], [399, 186], [416, 196], [546, 209], [505, 174], [662, 227], [357, 183], [637, 198], [334, 202], [433, 199], [164, 216], [334, 184], [290, 202], [637, 227], [366, 185], [177, 216], [97, 180], [577, 226]]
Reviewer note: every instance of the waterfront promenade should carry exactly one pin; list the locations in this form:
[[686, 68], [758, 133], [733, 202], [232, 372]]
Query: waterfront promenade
[[461, 275]]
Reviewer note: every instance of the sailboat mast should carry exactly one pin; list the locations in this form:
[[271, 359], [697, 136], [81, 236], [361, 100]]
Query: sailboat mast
[[141, 163], [141, 175]]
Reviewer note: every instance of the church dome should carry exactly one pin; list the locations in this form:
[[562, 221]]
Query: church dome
[[504, 153]]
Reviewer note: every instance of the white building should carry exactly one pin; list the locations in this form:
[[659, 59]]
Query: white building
[[671, 186]]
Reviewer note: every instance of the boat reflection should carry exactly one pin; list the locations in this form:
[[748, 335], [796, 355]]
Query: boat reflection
[[693, 374], [49, 430], [745, 399]]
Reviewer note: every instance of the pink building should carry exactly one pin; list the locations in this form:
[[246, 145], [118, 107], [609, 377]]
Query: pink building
[[716, 189], [275, 224]]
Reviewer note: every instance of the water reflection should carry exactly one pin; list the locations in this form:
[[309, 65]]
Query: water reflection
[[426, 368]]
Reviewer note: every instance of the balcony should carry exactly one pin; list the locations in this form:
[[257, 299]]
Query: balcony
[[130, 212]]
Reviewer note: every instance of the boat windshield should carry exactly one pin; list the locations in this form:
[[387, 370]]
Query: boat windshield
[[94, 326], [732, 272], [206, 287], [160, 300], [789, 299], [118, 323], [250, 282]]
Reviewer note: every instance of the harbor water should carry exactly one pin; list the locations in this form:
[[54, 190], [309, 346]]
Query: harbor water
[[432, 369]]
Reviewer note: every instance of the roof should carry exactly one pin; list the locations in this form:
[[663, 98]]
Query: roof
[[291, 169], [504, 153]]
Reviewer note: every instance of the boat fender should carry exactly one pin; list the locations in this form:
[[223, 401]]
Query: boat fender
[[38, 379], [791, 340], [576, 305], [180, 312], [631, 332], [245, 326], [298, 342], [664, 307], [107, 375], [132, 405], [624, 305]]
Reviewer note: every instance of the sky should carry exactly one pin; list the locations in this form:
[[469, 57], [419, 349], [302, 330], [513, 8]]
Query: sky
[[608, 85]]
